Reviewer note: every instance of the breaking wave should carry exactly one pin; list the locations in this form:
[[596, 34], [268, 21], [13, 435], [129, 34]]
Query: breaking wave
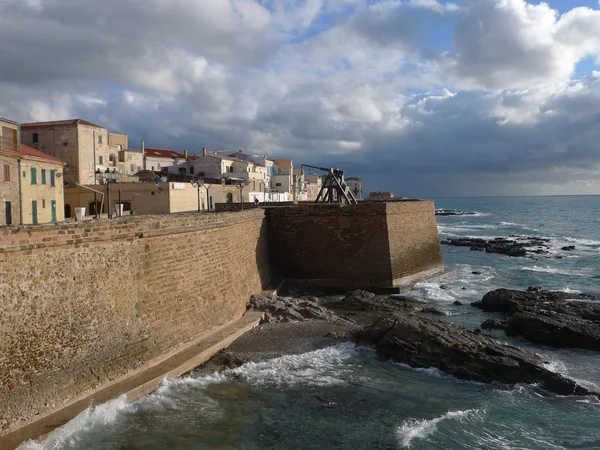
[[412, 429]]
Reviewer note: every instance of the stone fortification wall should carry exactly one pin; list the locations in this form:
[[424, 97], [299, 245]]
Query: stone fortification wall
[[364, 245], [84, 303]]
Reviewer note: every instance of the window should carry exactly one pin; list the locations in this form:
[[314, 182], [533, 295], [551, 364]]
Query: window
[[182, 170], [35, 138], [33, 175], [99, 139], [52, 178], [44, 177], [6, 172], [43, 203], [192, 170], [112, 158], [277, 184], [131, 168], [100, 160]]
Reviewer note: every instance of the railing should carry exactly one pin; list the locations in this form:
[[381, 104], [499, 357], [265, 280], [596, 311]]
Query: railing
[[8, 143]]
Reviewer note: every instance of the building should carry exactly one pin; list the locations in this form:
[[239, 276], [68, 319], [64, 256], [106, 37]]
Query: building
[[42, 191], [9, 135], [150, 198], [168, 161], [87, 148], [212, 164], [313, 186], [129, 162], [355, 185], [283, 179], [381, 195]]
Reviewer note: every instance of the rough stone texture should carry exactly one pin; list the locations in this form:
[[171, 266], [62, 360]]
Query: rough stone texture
[[424, 342], [367, 301], [545, 317], [287, 309], [357, 246], [85, 303]]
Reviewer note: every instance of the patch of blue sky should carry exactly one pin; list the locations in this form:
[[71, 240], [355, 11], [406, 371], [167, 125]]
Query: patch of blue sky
[[585, 67], [563, 6]]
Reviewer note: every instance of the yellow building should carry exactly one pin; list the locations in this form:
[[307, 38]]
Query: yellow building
[[41, 184]]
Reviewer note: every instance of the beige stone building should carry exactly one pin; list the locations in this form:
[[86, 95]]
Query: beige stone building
[[9, 172], [149, 198], [9, 188], [87, 148]]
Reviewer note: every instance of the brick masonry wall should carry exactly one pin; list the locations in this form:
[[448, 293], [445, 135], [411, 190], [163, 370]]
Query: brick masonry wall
[[369, 244], [414, 240], [85, 303], [331, 245]]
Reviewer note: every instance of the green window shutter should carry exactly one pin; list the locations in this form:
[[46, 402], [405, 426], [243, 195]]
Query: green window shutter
[[52, 178], [33, 175], [43, 176]]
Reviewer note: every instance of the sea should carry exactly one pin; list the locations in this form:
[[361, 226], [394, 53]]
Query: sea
[[344, 397]]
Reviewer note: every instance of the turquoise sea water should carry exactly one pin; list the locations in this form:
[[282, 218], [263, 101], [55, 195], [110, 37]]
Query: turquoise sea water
[[343, 397]]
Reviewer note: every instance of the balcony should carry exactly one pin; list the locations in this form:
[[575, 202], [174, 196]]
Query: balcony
[[8, 143]]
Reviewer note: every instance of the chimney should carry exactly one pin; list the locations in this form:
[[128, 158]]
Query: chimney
[[142, 147], [185, 154], [203, 151]]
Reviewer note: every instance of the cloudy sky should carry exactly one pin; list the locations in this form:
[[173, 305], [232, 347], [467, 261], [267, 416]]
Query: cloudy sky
[[421, 97]]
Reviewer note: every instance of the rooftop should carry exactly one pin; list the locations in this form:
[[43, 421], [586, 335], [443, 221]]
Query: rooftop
[[60, 123], [166, 153], [26, 150]]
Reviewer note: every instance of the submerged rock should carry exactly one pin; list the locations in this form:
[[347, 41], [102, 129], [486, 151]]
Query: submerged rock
[[287, 309], [425, 342], [545, 317]]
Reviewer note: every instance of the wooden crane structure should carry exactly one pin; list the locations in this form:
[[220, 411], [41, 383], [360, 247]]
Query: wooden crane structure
[[334, 188]]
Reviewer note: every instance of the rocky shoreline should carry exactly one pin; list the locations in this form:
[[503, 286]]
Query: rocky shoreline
[[407, 331]]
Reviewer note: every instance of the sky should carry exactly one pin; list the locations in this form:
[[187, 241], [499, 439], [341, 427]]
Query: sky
[[425, 98]]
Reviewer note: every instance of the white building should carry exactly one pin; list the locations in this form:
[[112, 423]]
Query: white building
[[168, 161]]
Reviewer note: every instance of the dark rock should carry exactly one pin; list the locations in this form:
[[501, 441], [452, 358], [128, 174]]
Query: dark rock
[[433, 310], [463, 289], [286, 309], [367, 301], [336, 334], [225, 359], [457, 303], [494, 324], [425, 342], [545, 317], [476, 273], [444, 287], [568, 248], [517, 247]]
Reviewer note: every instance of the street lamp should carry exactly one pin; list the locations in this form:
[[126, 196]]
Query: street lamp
[[240, 185], [198, 182]]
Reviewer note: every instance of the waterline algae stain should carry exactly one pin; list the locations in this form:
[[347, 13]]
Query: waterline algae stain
[[344, 397]]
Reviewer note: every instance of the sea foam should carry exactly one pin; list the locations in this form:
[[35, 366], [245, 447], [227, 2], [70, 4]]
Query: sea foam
[[94, 416], [421, 428]]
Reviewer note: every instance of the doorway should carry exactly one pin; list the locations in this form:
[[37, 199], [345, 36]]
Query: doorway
[[8, 211], [34, 217], [53, 209]]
